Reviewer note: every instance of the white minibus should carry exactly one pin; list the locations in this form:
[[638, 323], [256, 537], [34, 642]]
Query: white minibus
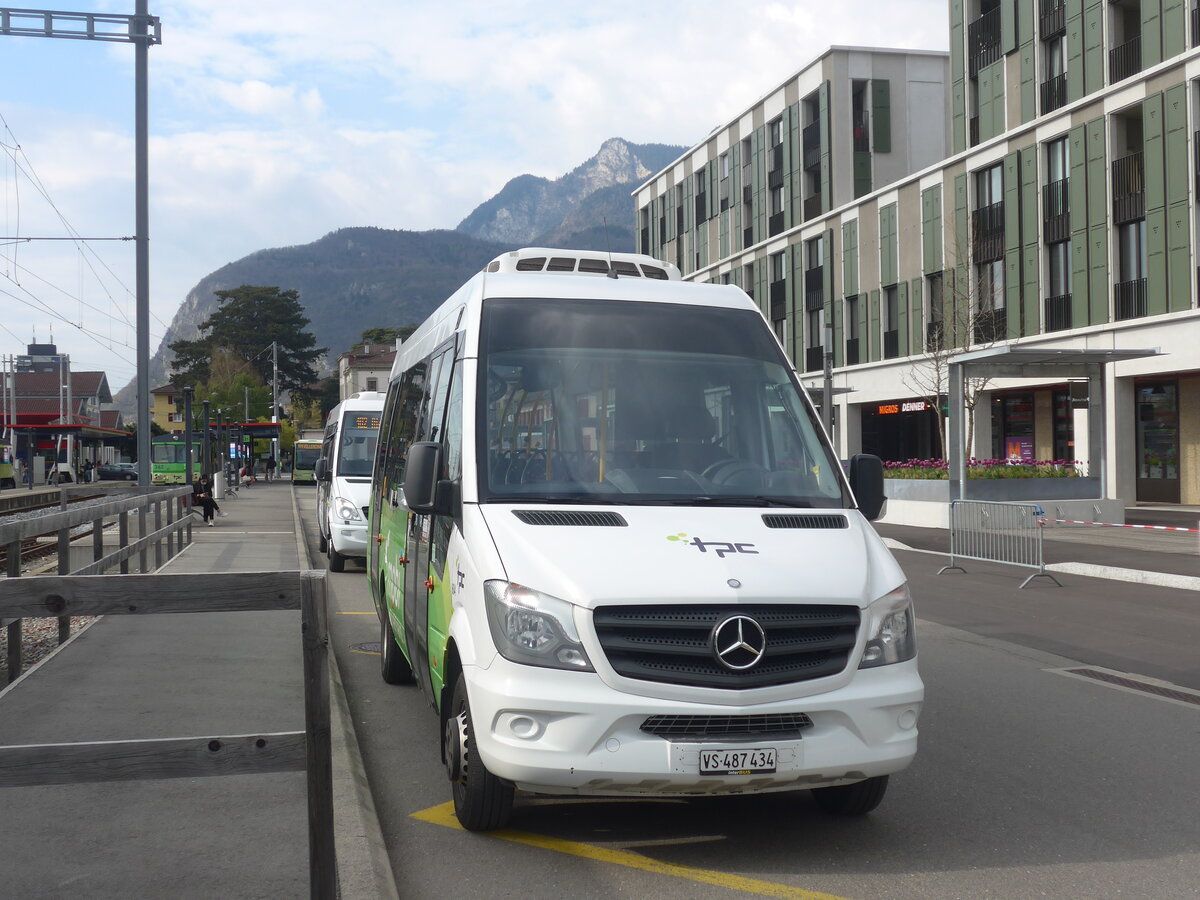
[[613, 544], [344, 477]]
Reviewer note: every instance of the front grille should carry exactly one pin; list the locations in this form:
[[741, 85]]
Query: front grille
[[569, 517], [672, 643], [781, 520], [706, 728]]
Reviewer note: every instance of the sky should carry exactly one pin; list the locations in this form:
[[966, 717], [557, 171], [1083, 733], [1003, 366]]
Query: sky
[[275, 122]]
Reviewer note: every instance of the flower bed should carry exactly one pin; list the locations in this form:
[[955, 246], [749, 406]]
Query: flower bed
[[939, 469]]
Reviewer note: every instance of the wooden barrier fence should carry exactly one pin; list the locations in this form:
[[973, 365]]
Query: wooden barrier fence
[[189, 757]]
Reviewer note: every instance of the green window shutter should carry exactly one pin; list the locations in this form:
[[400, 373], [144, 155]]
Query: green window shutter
[[1078, 188], [1012, 201], [826, 267], [1031, 303], [837, 312], [873, 337], [962, 222], [795, 182], [888, 251], [1097, 285], [1096, 181], [1098, 282], [1174, 28], [1156, 261], [902, 317], [958, 65], [1154, 152], [1152, 48], [881, 115], [984, 93], [850, 258], [1079, 278], [999, 105], [1029, 108], [1179, 271], [959, 118], [916, 318], [826, 157], [1074, 50], [862, 173], [1093, 48], [1179, 262], [1008, 25]]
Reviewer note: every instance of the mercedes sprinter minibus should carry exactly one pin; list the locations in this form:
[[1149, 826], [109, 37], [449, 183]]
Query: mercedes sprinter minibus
[[611, 541]]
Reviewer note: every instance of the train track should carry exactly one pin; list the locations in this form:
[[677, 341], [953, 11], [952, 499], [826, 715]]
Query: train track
[[37, 547]]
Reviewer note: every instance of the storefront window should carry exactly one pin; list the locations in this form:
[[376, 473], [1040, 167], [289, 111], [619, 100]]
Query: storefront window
[[1158, 431], [1064, 426], [1012, 427]]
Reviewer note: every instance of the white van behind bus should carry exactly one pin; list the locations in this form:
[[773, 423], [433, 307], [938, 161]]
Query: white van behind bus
[[343, 476], [615, 547]]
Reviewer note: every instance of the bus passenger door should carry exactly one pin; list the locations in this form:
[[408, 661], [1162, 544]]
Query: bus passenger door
[[418, 585]]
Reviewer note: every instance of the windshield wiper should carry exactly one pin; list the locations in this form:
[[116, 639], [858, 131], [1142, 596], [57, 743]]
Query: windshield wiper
[[740, 500]]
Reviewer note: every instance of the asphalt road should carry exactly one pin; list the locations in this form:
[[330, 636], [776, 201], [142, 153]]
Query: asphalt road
[[1030, 782]]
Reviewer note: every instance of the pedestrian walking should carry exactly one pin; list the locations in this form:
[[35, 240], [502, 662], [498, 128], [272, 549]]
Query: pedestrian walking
[[87, 471], [202, 496], [270, 468]]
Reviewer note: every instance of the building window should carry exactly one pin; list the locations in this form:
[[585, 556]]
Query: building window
[[1130, 300], [748, 279], [372, 384], [1158, 442], [891, 322], [935, 328], [778, 288], [851, 328], [987, 219], [1054, 86], [1058, 286], [990, 321]]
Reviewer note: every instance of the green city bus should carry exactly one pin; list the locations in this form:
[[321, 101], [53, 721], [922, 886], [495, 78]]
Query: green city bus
[[168, 459], [306, 454]]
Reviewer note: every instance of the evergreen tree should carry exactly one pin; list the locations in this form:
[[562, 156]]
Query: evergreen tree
[[248, 320]]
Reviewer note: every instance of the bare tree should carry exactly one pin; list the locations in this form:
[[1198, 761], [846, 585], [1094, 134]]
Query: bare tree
[[962, 316]]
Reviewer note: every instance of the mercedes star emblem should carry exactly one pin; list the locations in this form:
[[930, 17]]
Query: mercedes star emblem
[[738, 643]]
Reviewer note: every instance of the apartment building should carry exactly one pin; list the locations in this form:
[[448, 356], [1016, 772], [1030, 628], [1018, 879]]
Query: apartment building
[[1062, 217]]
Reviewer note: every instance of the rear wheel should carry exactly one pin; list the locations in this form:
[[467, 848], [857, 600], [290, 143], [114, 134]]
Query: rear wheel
[[852, 799], [482, 802], [392, 665]]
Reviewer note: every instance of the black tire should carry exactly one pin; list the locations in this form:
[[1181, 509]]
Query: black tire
[[131, 478], [856, 799], [324, 546], [337, 562], [482, 802], [392, 665]]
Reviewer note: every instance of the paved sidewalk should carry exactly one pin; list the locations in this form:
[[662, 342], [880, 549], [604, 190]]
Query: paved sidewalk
[[132, 677]]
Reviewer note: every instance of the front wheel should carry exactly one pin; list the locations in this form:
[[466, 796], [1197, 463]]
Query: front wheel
[[392, 665], [856, 799], [482, 802], [337, 562], [324, 544]]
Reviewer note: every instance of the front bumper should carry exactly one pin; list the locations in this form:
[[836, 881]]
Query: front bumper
[[348, 540], [558, 732]]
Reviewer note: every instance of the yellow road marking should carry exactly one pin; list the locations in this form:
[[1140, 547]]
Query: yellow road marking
[[444, 815], [366, 652]]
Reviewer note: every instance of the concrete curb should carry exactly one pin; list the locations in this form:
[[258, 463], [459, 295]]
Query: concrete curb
[[364, 869], [1112, 573]]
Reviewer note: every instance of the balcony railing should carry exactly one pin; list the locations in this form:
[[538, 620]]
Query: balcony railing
[[973, 130], [987, 233], [862, 137], [1054, 93], [983, 40], [814, 288], [852, 351], [701, 208], [991, 325], [778, 300], [1129, 189], [1130, 298], [775, 161], [748, 236], [891, 344], [812, 145], [1125, 60], [1058, 313], [814, 359], [812, 207], [775, 179], [1052, 18], [775, 224], [1056, 211], [935, 336]]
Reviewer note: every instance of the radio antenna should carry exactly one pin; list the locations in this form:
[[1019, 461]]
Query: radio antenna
[[612, 273]]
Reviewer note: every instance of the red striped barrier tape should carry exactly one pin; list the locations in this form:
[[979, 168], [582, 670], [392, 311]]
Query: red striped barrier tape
[[1121, 525]]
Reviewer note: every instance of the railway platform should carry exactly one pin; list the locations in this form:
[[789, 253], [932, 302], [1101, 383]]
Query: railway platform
[[138, 677]]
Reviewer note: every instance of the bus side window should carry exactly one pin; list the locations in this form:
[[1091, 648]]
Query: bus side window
[[452, 433], [412, 395]]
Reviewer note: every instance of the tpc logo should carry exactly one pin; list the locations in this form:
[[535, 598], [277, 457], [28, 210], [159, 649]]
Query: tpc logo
[[721, 548]]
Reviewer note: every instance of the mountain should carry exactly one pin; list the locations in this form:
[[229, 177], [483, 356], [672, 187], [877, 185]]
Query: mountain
[[529, 207], [358, 278]]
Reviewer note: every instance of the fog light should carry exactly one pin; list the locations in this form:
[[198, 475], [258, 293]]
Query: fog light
[[525, 727], [907, 720]]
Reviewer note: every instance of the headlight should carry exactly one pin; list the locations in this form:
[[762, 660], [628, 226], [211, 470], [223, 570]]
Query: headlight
[[892, 638], [346, 510], [533, 628]]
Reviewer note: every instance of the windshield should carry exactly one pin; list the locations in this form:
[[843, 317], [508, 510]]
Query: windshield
[[306, 457], [360, 431], [167, 453], [598, 401]]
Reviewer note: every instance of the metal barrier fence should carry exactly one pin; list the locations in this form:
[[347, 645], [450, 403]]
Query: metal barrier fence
[[1009, 533]]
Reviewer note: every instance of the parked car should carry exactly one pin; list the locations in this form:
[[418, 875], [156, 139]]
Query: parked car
[[117, 472]]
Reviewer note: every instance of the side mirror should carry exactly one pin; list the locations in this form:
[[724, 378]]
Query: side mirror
[[866, 480], [425, 493], [321, 471]]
